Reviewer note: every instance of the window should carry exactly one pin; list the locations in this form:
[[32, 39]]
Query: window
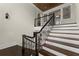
[[66, 12]]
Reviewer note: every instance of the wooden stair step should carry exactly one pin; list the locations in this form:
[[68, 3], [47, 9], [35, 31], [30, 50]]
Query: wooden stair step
[[46, 53], [67, 23], [67, 29], [76, 42], [64, 43], [65, 33], [60, 25], [65, 36], [64, 26], [60, 31], [66, 52]]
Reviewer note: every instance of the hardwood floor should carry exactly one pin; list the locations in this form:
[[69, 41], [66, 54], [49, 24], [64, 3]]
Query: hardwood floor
[[11, 51]]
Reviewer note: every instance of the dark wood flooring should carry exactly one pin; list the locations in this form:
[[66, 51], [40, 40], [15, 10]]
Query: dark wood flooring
[[11, 51]]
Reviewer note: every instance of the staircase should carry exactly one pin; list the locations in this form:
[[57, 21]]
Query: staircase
[[63, 40], [60, 40]]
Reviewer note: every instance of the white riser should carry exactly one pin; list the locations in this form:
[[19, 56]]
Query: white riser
[[65, 25], [66, 28], [64, 40], [64, 35], [76, 50], [53, 51]]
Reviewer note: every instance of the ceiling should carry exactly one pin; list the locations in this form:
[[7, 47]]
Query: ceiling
[[46, 6]]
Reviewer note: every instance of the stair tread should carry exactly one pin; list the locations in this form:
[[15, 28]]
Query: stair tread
[[67, 29], [64, 40], [67, 23], [64, 43], [53, 51], [76, 39], [63, 26], [65, 36], [66, 52], [65, 33], [46, 53]]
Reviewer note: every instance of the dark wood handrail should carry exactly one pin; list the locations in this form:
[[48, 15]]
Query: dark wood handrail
[[28, 38]]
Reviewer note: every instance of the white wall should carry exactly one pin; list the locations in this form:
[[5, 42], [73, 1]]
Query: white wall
[[21, 21], [77, 12]]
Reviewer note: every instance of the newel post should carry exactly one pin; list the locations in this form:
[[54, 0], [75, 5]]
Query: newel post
[[36, 44], [23, 49]]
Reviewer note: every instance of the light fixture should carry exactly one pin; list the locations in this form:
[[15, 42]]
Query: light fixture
[[6, 16]]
